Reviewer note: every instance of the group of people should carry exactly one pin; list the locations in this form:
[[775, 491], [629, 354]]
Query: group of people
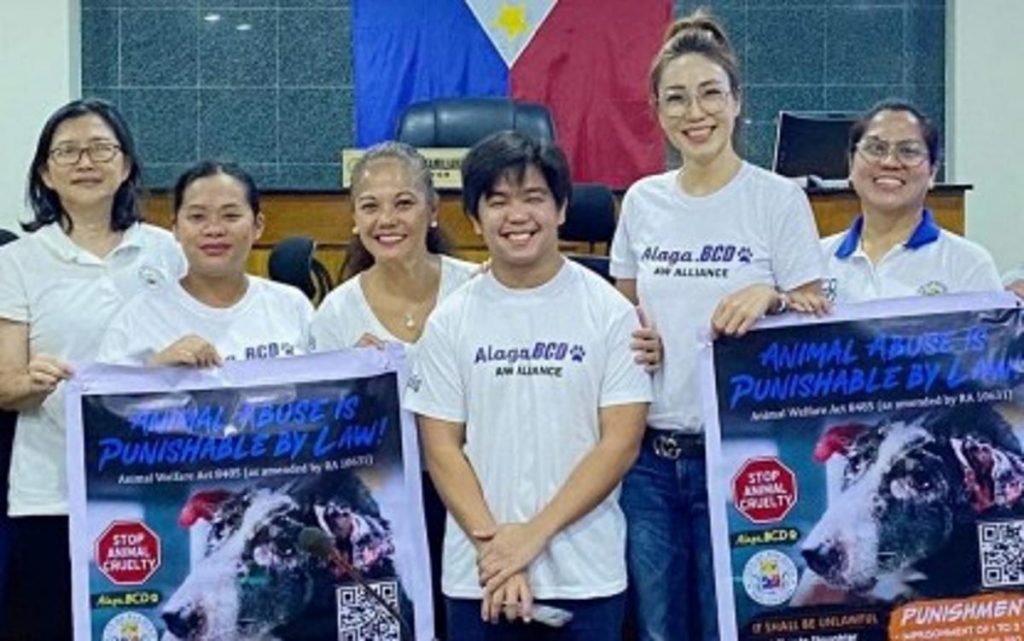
[[571, 473]]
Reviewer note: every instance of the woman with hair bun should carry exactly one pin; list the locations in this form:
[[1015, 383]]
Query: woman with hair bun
[[715, 244]]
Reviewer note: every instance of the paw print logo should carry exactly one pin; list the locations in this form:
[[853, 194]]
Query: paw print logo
[[577, 353], [414, 383], [744, 255]]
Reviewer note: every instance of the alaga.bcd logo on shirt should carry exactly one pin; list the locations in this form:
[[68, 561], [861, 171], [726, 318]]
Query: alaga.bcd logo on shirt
[[129, 626], [932, 288], [543, 358], [770, 577], [713, 260]]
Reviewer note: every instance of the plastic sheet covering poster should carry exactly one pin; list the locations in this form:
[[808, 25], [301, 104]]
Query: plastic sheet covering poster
[[270, 500], [867, 473]]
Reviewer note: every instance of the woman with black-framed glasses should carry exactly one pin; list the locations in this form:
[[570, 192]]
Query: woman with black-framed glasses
[[895, 247], [60, 285]]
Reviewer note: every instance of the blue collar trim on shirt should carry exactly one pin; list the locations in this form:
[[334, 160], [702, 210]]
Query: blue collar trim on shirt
[[927, 231]]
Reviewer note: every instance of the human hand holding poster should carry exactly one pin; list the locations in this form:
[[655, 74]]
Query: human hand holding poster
[[275, 499], [866, 473]]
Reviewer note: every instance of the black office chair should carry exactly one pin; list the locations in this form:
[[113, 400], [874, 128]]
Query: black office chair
[[464, 122], [590, 219], [292, 262]]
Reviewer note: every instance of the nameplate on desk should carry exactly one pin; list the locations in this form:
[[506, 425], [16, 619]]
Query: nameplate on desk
[[444, 165]]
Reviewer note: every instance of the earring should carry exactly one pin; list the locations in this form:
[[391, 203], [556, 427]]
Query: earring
[[433, 223], [355, 230]]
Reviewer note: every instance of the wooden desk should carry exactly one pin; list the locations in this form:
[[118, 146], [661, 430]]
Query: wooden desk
[[327, 217], [835, 209]]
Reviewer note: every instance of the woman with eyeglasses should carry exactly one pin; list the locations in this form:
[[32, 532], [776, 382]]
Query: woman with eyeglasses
[[895, 247], [60, 285], [715, 244]]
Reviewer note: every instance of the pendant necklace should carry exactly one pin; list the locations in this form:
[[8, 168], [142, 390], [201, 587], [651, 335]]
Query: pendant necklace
[[410, 321]]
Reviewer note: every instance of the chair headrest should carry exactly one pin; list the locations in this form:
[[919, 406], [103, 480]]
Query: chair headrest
[[290, 262], [591, 214], [464, 122]]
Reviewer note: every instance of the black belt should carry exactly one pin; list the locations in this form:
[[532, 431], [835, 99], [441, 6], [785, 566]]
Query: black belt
[[674, 445]]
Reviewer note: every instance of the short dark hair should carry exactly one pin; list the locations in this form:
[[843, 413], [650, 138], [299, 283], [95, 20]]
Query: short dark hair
[[929, 132], [46, 203], [507, 154], [208, 168]]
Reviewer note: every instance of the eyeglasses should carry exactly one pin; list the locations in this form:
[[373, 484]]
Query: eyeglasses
[[68, 155], [676, 102], [909, 153]]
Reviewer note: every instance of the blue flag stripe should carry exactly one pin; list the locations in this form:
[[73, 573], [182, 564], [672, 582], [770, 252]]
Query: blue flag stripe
[[411, 50]]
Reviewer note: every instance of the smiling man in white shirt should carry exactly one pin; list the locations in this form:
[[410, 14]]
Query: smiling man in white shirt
[[531, 409]]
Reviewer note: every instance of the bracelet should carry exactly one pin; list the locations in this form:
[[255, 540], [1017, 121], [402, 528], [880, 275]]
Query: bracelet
[[783, 303]]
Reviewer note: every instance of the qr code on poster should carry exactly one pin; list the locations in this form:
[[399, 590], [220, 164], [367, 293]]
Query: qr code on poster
[[363, 618], [1001, 547]]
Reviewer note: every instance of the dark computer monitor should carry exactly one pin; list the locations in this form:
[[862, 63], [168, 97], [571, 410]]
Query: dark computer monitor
[[813, 143]]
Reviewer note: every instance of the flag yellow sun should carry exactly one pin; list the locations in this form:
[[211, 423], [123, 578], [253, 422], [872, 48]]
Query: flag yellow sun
[[512, 20]]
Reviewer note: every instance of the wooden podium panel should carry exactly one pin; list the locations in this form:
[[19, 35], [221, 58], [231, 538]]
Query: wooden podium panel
[[834, 210], [327, 217]]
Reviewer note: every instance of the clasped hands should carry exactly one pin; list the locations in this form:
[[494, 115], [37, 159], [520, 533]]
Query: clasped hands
[[504, 552]]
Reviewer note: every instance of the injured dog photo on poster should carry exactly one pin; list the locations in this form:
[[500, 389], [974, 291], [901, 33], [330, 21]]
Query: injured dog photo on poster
[[273, 501], [866, 473]]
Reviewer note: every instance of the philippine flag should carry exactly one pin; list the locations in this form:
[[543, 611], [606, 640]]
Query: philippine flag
[[587, 60]]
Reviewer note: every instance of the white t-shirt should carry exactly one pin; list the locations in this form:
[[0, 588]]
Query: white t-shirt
[[931, 262], [271, 320], [686, 253], [345, 315], [527, 372], [67, 296], [1014, 274]]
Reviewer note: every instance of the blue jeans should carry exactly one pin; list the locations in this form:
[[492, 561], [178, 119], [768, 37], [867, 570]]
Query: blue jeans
[[597, 619], [668, 547]]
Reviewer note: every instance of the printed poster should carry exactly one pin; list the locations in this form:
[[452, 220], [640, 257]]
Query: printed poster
[[866, 473], [275, 499]]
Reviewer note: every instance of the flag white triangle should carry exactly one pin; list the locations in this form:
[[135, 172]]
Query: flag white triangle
[[511, 24]]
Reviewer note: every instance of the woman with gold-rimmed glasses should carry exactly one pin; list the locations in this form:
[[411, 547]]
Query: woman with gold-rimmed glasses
[[60, 285], [895, 247], [715, 244]]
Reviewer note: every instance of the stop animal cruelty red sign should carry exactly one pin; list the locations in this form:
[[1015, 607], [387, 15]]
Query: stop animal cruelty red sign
[[764, 490], [128, 552]]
